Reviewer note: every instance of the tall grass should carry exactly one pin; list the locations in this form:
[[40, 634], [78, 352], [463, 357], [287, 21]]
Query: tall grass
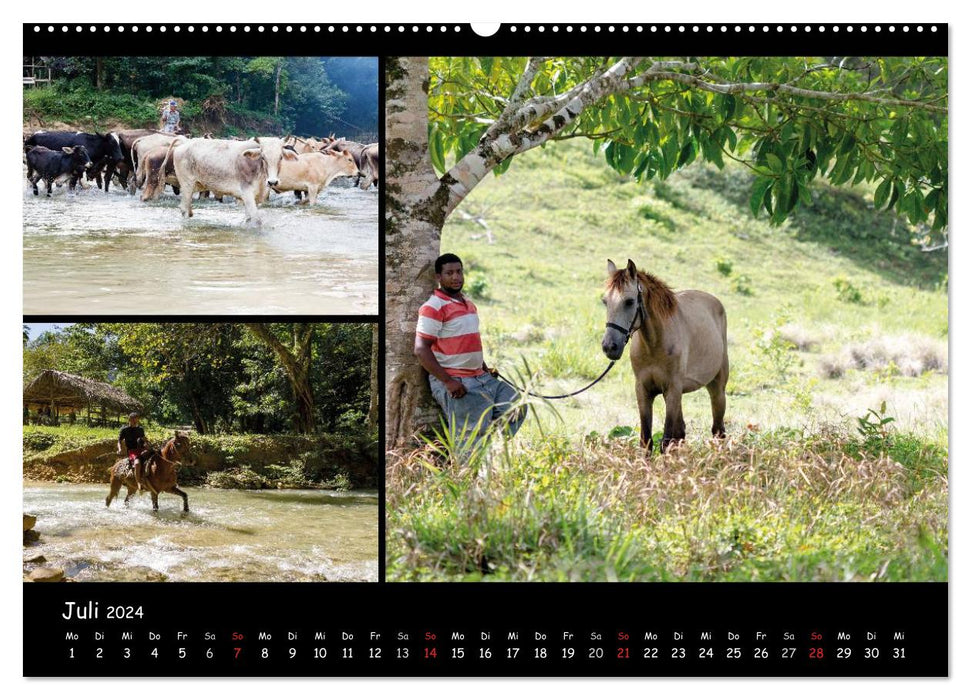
[[826, 506]]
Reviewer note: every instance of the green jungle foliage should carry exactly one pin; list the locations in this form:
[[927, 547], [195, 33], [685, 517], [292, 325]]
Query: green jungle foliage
[[224, 95], [219, 377]]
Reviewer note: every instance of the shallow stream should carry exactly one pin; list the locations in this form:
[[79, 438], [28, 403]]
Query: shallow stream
[[228, 535]]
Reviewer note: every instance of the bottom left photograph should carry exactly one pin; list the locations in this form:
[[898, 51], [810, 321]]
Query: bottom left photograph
[[200, 452]]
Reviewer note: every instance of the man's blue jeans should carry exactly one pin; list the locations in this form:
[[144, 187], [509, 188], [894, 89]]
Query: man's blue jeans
[[485, 401]]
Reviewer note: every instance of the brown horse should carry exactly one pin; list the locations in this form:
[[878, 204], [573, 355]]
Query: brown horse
[[159, 470], [679, 344]]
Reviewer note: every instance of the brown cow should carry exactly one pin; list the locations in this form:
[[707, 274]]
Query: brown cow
[[150, 173], [372, 163], [366, 157], [126, 138], [301, 145], [144, 145], [312, 172]]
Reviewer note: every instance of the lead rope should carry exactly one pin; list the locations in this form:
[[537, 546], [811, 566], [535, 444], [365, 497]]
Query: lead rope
[[499, 375], [630, 331]]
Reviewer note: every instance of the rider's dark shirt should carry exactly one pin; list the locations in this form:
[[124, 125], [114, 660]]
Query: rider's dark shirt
[[130, 435]]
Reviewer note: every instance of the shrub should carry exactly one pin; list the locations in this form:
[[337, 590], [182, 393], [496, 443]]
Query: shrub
[[478, 287], [743, 285], [724, 267], [848, 292]]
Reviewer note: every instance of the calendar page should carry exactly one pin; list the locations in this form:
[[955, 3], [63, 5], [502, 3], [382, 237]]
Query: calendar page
[[368, 350]]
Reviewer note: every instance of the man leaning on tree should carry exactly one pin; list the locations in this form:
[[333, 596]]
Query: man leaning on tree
[[449, 347]]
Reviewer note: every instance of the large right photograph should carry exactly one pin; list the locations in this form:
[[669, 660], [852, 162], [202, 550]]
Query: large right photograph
[[666, 319]]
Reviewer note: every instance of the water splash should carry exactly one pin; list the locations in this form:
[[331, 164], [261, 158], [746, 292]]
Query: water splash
[[112, 253], [228, 535]]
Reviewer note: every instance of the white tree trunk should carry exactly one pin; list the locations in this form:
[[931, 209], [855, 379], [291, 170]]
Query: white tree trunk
[[415, 211]]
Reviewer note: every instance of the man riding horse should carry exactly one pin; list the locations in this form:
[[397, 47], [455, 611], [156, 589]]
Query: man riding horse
[[132, 436]]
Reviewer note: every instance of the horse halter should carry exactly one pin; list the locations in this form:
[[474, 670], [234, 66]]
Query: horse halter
[[628, 332], [639, 314]]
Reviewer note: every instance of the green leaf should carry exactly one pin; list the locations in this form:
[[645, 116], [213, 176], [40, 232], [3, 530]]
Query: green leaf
[[759, 188], [880, 196], [775, 163], [435, 150], [913, 205], [670, 152], [805, 196], [728, 106], [894, 193], [848, 143], [502, 167], [687, 153]]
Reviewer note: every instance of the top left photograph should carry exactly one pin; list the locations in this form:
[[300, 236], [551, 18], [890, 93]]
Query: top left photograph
[[200, 185]]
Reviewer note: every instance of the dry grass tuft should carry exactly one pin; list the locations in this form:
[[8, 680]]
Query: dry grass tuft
[[799, 337], [905, 355]]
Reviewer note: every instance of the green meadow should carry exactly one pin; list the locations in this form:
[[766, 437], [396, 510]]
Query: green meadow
[[835, 467]]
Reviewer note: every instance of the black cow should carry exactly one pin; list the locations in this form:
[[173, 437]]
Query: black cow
[[104, 150], [48, 165]]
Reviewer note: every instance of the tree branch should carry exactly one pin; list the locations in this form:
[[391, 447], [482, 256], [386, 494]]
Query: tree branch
[[785, 88], [533, 65], [476, 164]]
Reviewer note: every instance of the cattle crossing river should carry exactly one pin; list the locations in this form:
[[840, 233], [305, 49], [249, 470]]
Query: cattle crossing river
[[229, 535], [110, 253]]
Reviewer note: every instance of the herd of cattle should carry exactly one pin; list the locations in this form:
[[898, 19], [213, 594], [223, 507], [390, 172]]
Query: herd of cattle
[[244, 169]]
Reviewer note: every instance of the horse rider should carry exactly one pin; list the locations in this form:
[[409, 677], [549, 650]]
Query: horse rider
[[131, 440], [169, 122], [449, 347]]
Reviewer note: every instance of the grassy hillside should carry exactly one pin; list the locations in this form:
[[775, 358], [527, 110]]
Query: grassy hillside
[[838, 281], [836, 324]]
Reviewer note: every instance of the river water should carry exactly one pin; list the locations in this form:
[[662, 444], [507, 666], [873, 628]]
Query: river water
[[228, 535], [93, 252]]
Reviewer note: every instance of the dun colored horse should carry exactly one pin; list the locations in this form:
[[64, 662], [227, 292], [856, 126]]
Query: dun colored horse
[[678, 345], [160, 469]]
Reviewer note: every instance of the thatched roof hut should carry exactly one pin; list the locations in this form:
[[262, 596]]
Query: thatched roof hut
[[59, 391]]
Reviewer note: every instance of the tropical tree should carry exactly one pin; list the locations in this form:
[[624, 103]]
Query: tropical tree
[[372, 414], [180, 368], [452, 121], [292, 343]]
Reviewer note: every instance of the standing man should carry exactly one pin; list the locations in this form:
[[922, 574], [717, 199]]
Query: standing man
[[448, 346], [128, 442], [169, 123]]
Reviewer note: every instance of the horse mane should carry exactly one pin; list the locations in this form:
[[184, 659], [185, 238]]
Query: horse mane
[[172, 444], [658, 297]]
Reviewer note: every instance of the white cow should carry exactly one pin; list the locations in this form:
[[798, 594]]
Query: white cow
[[242, 169]]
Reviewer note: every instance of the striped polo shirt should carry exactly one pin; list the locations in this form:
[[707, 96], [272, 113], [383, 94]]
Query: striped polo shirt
[[453, 325]]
